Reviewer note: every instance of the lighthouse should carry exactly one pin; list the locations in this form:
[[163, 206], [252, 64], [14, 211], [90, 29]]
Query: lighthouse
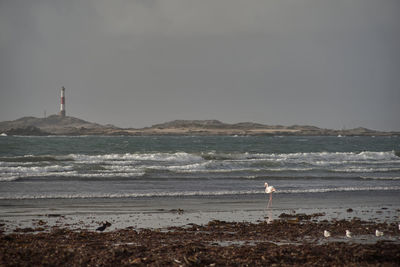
[[62, 107]]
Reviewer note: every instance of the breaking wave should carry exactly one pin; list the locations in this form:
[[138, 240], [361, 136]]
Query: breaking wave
[[197, 193], [133, 165]]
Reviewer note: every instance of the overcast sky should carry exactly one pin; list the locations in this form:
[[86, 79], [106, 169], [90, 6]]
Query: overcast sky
[[328, 63]]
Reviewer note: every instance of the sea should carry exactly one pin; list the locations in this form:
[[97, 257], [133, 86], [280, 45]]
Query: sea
[[200, 174]]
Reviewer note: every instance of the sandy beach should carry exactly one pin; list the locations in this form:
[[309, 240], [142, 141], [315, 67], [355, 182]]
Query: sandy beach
[[163, 212]]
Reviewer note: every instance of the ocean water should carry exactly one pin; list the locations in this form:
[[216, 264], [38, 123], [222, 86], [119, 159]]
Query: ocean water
[[140, 167]]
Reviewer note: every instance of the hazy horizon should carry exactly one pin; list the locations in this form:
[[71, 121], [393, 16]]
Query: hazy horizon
[[330, 64]]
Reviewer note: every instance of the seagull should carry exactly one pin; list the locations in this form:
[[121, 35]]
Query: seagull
[[269, 190], [378, 233], [327, 234], [348, 234], [103, 227]]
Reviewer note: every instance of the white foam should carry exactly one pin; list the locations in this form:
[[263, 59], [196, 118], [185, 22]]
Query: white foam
[[9, 178], [136, 164], [175, 157], [333, 156], [15, 176], [132, 195], [15, 164], [35, 169], [71, 174], [340, 189], [195, 193], [109, 175], [354, 169], [122, 168], [380, 178], [177, 168]]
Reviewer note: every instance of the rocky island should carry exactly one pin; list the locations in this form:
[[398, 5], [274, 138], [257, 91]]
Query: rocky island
[[58, 125]]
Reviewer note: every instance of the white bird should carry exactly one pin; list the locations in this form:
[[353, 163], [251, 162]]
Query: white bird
[[378, 233], [399, 226], [348, 234], [326, 233], [269, 190]]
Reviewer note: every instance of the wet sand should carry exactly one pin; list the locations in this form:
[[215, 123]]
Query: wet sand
[[162, 212], [291, 240]]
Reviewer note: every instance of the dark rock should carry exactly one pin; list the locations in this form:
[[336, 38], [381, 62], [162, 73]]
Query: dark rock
[[29, 130]]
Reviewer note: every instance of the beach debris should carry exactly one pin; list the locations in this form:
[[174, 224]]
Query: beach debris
[[378, 233], [191, 260], [135, 261], [54, 215], [24, 230], [349, 210], [178, 211], [348, 234], [224, 244], [327, 233], [269, 190], [104, 226], [41, 222], [301, 216], [293, 221]]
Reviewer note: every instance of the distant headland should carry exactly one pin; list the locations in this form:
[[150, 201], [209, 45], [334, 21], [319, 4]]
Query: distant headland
[[66, 125]]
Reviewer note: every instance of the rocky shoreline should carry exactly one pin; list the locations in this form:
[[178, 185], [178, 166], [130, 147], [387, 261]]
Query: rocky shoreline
[[289, 241], [70, 126]]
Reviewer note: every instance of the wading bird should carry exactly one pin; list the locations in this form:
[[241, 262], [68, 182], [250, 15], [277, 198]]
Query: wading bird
[[269, 190]]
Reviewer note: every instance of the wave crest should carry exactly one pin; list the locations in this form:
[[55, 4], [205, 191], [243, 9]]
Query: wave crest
[[227, 164], [199, 193]]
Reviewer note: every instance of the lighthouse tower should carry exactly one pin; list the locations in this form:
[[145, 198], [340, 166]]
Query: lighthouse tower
[[62, 107]]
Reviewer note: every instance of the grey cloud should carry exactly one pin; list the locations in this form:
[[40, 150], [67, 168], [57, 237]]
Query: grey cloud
[[134, 63]]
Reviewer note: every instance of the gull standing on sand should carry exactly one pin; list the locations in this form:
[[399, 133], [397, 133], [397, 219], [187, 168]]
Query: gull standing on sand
[[348, 234], [269, 190], [326, 233], [378, 233]]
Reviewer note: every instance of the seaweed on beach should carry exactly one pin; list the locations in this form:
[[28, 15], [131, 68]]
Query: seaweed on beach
[[218, 243]]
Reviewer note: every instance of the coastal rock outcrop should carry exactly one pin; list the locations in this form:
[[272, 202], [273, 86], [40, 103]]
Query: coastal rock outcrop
[[58, 125]]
